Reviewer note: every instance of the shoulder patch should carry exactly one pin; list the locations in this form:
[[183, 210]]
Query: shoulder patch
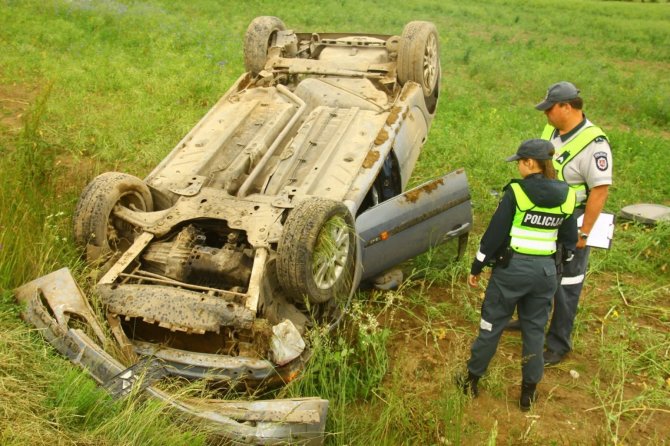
[[602, 162]]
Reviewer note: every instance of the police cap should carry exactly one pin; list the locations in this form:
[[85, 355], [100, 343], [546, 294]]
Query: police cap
[[537, 149], [560, 92]]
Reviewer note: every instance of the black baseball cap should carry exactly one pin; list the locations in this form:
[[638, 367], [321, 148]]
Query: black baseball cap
[[560, 92], [537, 149]]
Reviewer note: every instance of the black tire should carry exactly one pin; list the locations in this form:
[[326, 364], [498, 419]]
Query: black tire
[[316, 252], [258, 39], [94, 223], [419, 56]]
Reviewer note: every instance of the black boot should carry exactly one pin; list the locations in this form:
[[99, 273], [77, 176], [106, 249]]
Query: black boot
[[468, 384], [528, 396]]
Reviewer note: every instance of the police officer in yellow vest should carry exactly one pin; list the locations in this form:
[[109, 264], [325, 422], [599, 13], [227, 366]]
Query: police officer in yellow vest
[[520, 242], [583, 159]]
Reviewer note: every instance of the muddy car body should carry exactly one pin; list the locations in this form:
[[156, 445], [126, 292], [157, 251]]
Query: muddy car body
[[272, 210]]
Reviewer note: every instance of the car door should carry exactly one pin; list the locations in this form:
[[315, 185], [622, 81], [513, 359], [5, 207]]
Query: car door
[[411, 223]]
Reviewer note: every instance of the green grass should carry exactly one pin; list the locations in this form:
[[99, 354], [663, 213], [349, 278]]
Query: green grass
[[94, 86]]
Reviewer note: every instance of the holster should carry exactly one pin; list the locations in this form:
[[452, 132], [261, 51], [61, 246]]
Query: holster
[[558, 259], [558, 255], [501, 258], [561, 257]]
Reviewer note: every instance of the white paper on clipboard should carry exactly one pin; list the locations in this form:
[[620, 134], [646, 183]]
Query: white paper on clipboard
[[602, 232]]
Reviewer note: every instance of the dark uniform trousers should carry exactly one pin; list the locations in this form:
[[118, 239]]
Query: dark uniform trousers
[[527, 284], [567, 299]]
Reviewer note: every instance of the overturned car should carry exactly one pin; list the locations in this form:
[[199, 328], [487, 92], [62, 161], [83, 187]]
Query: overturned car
[[261, 223]]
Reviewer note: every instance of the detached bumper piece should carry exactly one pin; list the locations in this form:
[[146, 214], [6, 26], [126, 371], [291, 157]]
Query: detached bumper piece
[[52, 300], [136, 378]]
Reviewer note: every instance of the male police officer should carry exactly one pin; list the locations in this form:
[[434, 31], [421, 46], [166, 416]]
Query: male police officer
[[583, 159]]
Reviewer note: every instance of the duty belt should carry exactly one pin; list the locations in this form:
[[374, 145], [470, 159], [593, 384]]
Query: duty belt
[[529, 256]]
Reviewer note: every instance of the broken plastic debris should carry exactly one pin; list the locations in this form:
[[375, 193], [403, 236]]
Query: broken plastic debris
[[390, 280], [286, 343]]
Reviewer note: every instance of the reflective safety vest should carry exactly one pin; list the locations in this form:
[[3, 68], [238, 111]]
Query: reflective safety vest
[[534, 228], [571, 150]]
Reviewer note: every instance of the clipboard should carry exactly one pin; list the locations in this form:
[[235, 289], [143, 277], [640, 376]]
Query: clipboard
[[602, 232]]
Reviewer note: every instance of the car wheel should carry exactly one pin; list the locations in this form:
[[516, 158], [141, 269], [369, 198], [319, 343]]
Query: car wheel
[[316, 251], [258, 39], [419, 56], [94, 222]]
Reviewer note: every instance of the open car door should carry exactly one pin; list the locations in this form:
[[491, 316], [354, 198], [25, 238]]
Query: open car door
[[411, 223]]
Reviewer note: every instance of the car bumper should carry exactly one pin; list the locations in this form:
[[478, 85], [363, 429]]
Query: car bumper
[[50, 302]]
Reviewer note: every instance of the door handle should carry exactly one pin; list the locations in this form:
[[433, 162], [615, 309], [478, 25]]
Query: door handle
[[457, 231]]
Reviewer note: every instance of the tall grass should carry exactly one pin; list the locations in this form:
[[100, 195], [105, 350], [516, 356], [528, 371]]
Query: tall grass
[[28, 185], [44, 401], [116, 84]]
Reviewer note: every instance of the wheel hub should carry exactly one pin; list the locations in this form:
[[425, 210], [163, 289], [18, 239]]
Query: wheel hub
[[430, 62], [330, 258]]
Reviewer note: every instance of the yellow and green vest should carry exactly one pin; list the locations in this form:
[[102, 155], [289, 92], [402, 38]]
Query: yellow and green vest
[[571, 150], [534, 228]]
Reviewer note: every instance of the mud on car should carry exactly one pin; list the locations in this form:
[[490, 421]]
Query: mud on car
[[262, 221]]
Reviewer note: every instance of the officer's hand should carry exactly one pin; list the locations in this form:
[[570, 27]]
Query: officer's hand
[[581, 243], [473, 280]]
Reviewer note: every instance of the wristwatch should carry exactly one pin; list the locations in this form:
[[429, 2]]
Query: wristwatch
[[582, 235]]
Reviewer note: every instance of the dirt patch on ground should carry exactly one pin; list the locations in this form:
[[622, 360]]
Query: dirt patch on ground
[[69, 172], [14, 103], [569, 411]]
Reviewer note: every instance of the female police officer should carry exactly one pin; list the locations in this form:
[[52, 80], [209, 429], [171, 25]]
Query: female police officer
[[520, 242]]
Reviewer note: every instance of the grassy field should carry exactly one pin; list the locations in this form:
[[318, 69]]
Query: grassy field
[[90, 86]]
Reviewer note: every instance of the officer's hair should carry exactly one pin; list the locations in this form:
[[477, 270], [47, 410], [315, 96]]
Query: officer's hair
[[577, 103], [547, 167]]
